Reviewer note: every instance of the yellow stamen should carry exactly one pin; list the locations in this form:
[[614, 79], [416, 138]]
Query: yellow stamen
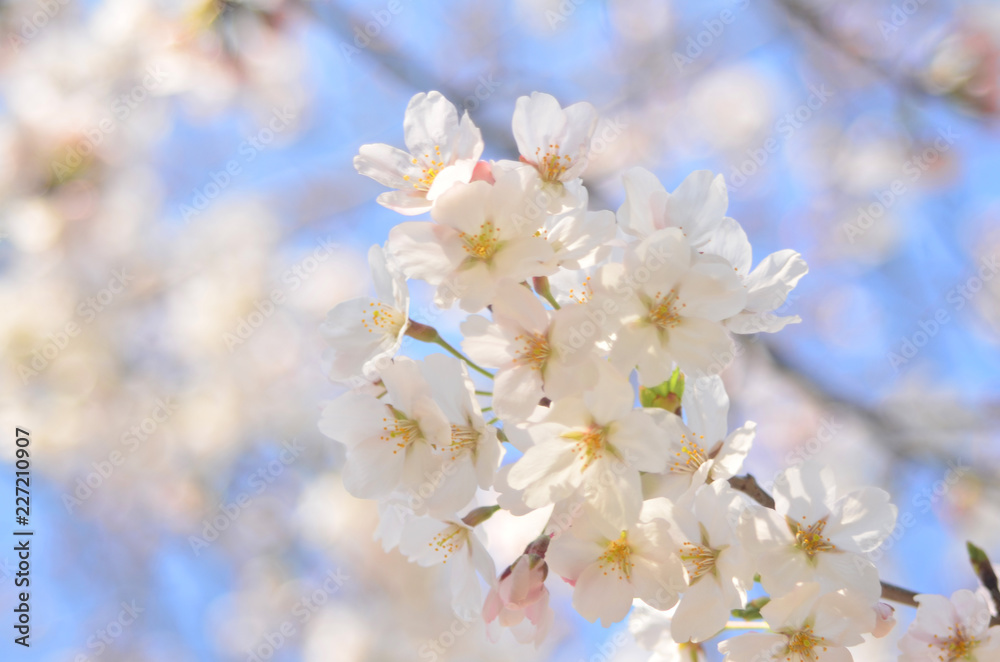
[[690, 457], [590, 444], [804, 644], [483, 245], [959, 646], [383, 319], [664, 311], [449, 541], [534, 351], [617, 557], [698, 560], [810, 539], [551, 165]]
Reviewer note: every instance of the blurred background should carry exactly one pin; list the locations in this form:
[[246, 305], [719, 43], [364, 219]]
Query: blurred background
[[167, 167]]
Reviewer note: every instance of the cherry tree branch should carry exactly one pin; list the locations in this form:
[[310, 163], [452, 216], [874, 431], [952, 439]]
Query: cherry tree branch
[[987, 575], [749, 486]]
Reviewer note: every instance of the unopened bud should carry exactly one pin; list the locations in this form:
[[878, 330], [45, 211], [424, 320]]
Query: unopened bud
[[479, 515], [422, 332]]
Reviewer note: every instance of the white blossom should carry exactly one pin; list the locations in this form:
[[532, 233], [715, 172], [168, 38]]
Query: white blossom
[[443, 150]]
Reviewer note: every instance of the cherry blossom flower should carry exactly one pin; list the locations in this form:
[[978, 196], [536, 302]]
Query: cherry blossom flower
[[365, 333], [807, 626], [595, 444], [814, 536], [442, 151], [482, 235], [429, 542], [768, 286], [698, 208], [555, 141], [700, 450], [520, 600], [666, 306], [609, 567], [580, 238], [537, 353], [472, 455], [390, 442], [718, 570], [951, 630], [651, 629]]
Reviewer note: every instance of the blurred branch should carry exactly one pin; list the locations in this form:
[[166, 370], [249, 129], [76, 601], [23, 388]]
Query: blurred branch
[[822, 28], [889, 433], [987, 575]]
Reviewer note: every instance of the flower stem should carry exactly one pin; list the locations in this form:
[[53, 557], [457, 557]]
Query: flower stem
[[484, 392], [427, 333], [444, 343], [541, 284]]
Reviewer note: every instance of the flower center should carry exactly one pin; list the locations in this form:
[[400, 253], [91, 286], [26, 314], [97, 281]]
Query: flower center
[[698, 560], [384, 319], [535, 349], [551, 165], [810, 539], [584, 294], [400, 430], [449, 541], [483, 245], [664, 311], [463, 438], [690, 457], [617, 557], [433, 165], [590, 444], [959, 646], [804, 644]]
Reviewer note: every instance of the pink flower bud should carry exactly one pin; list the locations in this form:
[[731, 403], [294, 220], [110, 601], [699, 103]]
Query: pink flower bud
[[885, 620]]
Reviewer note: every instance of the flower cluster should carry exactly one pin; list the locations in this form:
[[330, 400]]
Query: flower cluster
[[594, 339]]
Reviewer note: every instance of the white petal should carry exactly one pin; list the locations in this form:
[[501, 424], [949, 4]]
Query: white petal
[[422, 250], [385, 164], [702, 612], [430, 122], [602, 595]]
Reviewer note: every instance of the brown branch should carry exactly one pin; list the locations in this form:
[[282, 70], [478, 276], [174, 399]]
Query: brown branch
[[987, 575], [749, 486]]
